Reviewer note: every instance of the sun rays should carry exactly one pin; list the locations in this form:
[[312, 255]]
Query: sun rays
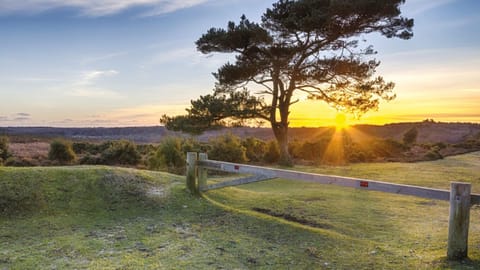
[[343, 137]]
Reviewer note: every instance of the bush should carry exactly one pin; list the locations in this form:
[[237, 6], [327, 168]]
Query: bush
[[91, 159], [169, 155], [120, 152], [4, 154], [313, 151], [273, 152], [254, 149], [61, 151], [227, 148], [433, 155]]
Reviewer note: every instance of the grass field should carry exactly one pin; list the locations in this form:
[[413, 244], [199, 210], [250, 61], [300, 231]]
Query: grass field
[[111, 218]]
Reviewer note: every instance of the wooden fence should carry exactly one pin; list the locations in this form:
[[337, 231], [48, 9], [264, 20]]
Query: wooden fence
[[459, 195]]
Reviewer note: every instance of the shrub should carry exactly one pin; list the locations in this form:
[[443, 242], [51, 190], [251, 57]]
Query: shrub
[[169, 155], [4, 154], [433, 155], [61, 151], [120, 152], [254, 149], [227, 148], [91, 159], [313, 151], [79, 147], [273, 152]]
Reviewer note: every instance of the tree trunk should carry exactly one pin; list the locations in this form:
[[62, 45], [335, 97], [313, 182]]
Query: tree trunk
[[280, 102], [281, 135]]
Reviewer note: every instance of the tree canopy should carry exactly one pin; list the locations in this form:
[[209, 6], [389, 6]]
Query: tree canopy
[[309, 47]]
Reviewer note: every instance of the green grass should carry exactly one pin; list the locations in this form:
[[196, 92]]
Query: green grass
[[111, 218]]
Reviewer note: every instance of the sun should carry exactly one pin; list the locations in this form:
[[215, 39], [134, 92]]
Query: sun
[[341, 121]]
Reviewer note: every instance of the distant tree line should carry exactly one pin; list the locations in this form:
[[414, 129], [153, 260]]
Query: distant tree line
[[329, 148]]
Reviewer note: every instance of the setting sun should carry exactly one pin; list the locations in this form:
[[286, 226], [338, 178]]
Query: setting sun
[[341, 121]]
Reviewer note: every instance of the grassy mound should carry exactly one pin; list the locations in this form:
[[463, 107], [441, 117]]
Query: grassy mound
[[75, 189]]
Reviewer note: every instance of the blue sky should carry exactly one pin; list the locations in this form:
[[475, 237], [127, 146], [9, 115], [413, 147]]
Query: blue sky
[[127, 62]]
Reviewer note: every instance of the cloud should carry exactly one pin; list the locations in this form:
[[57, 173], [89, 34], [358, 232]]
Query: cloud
[[97, 8], [89, 77], [16, 117], [21, 118], [417, 7], [89, 84]]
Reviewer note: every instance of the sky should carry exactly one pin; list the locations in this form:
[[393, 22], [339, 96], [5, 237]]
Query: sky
[[93, 63]]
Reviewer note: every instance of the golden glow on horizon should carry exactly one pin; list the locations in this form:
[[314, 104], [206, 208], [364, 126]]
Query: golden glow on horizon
[[341, 121], [442, 109]]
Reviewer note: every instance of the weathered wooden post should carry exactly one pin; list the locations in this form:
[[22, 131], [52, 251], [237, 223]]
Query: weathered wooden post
[[202, 172], [458, 221], [192, 172]]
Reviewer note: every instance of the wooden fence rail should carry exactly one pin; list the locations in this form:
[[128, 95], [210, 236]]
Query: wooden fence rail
[[459, 195]]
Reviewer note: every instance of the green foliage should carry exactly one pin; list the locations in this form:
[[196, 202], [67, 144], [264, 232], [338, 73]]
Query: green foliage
[[273, 152], [227, 148], [224, 108], [89, 159], [410, 137], [80, 147], [61, 151], [255, 149], [312, 151], [90, 148], [169, 155], [120, 152], [4, 154]]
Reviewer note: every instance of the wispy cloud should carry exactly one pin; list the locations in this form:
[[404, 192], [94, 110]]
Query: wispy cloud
[[90, 77], [16, 118], [89, 85], [417, 7], [97, 8]]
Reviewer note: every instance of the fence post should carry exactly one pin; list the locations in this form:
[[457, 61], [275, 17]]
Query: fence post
[[192, 172], [458, 221], [202, 172]]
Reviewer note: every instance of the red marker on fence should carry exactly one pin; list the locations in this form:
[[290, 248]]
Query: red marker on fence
[[363, 184], [237, 167]]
